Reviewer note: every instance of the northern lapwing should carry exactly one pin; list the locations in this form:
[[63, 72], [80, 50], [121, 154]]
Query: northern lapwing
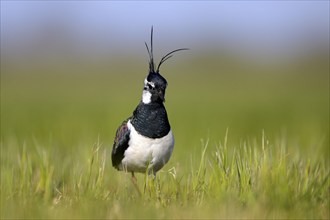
[[144, 142]]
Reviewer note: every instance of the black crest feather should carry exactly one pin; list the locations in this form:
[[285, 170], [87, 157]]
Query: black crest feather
[[151, 55]]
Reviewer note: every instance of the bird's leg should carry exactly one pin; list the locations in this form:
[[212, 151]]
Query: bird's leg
[[147, 181], [134, 181], [150, 183]]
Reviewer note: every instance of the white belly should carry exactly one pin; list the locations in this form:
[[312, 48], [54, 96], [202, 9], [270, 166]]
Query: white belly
[[144, 152]]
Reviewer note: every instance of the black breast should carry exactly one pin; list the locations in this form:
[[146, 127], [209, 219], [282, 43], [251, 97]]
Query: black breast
[[151, 120]]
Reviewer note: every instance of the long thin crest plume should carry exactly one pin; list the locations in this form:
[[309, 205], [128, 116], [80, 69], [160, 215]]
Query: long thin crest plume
[[150, 52], [168, 56], [151, 55]]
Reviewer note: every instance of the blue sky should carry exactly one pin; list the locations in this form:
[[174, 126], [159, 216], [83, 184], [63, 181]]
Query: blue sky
[[272, 27]]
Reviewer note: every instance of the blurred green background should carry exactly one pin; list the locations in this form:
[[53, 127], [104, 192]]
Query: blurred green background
[[71, 72], [206, 95]]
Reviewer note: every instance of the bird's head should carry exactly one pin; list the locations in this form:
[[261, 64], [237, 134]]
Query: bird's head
[[154, 88], [155, 84]]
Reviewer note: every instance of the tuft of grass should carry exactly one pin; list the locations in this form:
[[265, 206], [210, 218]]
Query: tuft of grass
[[257, 179]]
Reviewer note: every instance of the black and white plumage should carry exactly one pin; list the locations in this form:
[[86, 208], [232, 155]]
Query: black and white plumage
[[144, 142]]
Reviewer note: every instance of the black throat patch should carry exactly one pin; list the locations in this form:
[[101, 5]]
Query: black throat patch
[[150, 120]]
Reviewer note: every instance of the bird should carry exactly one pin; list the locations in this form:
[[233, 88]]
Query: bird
[[144, 142]]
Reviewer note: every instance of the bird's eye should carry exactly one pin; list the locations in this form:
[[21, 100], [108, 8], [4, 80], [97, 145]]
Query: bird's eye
[[150, 87]]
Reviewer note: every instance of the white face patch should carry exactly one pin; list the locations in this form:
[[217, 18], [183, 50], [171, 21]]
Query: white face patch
[[146, 97], [146, 82]]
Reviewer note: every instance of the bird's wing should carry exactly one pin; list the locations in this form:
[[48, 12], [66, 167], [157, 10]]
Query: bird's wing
[[120, 144]]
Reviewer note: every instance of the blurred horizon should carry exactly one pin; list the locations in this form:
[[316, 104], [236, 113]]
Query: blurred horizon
[[269, 32], [78, 67]]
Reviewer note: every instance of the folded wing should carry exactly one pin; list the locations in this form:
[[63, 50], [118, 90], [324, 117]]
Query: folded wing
[[120, 144]]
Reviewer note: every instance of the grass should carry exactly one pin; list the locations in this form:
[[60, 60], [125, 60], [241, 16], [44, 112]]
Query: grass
[[254, 180], [249, 144]]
